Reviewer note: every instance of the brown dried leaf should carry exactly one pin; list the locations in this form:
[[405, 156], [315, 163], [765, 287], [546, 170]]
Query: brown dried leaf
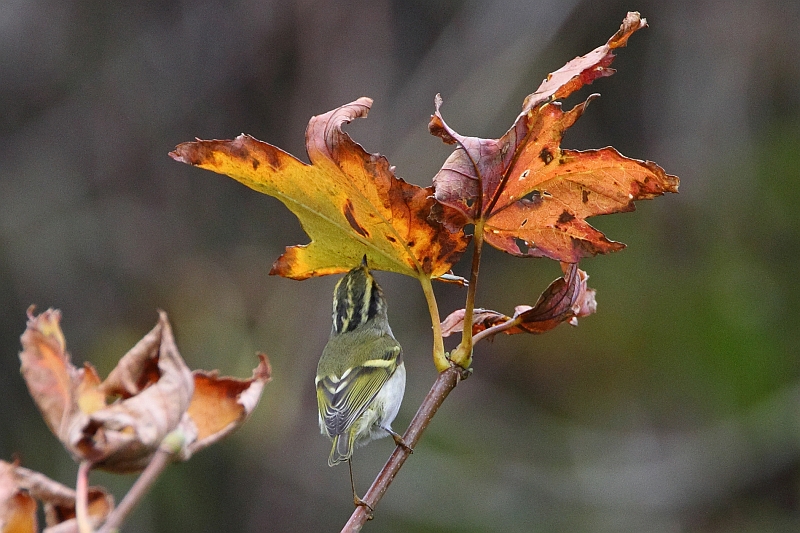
[[138, 369], [59, 500], [566, 299], [481, 319], [119, 424], [123, 436], [46, 367], [17, 507], [585, 69], [220, 405]]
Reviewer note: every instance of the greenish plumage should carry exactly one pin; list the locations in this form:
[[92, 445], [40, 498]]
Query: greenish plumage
[[360, 377]]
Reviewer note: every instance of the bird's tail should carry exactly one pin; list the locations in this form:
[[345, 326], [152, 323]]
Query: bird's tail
[[342, 448]]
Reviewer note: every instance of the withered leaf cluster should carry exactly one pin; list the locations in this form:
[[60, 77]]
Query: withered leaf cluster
[[21, 489], [118, 423]]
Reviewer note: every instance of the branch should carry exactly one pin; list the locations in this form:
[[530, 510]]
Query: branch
[[445, 382], [170, 446], [82, 498]]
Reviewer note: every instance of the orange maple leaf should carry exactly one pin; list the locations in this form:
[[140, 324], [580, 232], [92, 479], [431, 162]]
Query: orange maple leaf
[[348, 201], [530, 197]]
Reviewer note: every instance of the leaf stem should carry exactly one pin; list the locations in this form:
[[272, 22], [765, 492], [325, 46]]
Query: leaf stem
[[82, 498], [170, 446], [462, 356], [494, 330], [445, 382], [439, 358]]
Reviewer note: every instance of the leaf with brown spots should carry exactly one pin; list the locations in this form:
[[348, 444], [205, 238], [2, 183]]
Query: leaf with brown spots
[[566, 299], [530, 196], [348, 201]]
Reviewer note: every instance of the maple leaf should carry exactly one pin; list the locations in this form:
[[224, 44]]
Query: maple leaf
[[565, 299], [118, 424], [348, 201], [530, 197]]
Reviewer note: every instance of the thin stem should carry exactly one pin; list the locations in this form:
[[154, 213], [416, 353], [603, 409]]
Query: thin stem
[[439, 358], [494, 330], [171, 445], [82, 498], [445, 382], [462, 356]]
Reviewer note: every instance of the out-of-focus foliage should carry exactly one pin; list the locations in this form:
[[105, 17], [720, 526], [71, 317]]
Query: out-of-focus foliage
[[119, 423], [21, 489], [673, 408]]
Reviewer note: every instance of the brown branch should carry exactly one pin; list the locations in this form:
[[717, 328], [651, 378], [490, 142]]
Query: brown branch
[[445, 382], [164, 455], [82, 498]]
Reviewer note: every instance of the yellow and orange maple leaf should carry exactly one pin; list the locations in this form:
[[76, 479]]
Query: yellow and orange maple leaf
[[348, 201]]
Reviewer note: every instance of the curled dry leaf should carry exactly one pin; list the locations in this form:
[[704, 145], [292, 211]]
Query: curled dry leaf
[[59, 500], [119, 423], [566, 299], [17, 506], [532, 197], [348, 201], [27, 486], [222, 404]]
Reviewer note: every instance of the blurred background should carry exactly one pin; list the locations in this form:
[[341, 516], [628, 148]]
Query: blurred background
[[675, 408]]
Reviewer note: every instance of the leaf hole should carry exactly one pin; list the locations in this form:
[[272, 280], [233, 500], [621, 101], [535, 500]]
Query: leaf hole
[[532, 198], [523, 245]]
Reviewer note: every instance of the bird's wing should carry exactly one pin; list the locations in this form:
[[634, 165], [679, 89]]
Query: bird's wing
[[340, 403]]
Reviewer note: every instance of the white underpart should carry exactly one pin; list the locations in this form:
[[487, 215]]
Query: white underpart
[[387, 403]]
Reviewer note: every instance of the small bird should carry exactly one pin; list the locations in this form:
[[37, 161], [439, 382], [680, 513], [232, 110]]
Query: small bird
[[360, 377]]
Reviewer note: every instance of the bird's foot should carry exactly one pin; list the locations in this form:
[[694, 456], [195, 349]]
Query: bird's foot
[[361, 503], [399, 440]]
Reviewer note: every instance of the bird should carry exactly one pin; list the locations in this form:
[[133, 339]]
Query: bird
[[361, 377]]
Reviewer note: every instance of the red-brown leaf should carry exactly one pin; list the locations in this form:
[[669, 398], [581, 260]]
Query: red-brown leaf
[[533, 196], [566, 299]]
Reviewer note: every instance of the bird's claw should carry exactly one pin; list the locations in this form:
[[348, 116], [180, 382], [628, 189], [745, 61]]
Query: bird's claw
[[361, 503]]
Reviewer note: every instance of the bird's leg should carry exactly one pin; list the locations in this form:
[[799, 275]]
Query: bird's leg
[[398, 439], [356, 500]]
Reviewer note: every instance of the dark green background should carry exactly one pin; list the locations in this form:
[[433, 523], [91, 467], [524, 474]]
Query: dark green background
[[674, 408]]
